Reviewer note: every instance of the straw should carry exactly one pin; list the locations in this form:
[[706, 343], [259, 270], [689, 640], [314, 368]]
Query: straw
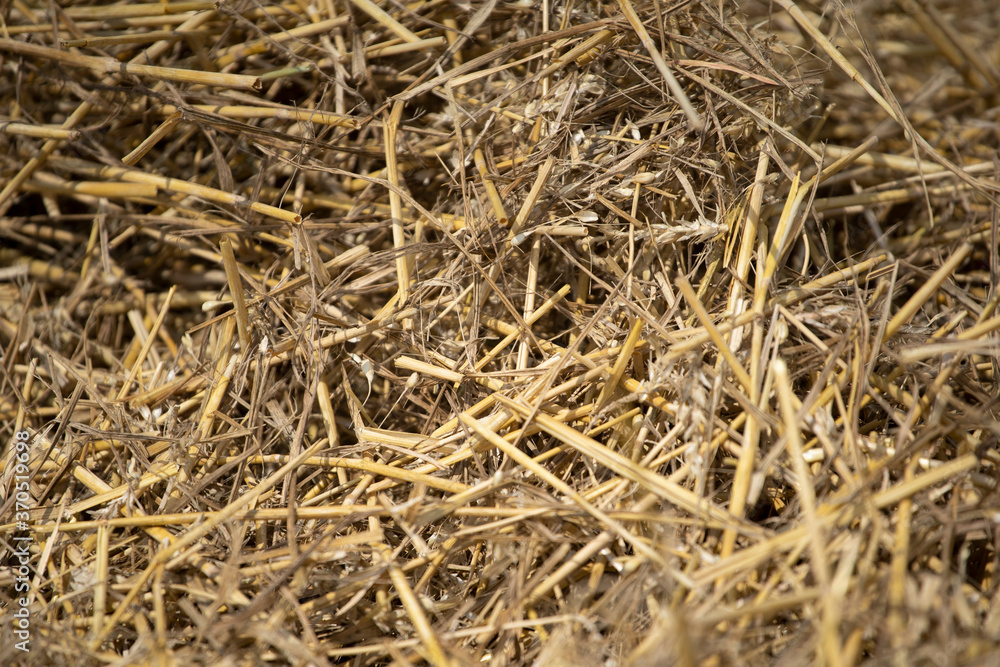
[[503, 332]]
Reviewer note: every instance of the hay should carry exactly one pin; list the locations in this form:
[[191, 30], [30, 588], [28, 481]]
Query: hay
[[508, 332]]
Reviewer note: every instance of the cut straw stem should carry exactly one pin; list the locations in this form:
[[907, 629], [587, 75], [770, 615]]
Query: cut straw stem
[[804, 484], [131, 38], [112, 66], [536, 190], [236, 290], [869, 158], [244, 50], [39, 131], [582, 49], [491, 189], [165, 128], [391, 127], [424, 368], [106, 189], [415, 610], [843, 158], [713, 331], [147, 344], [130, 10], [277, 113], [694, 118], [380, 51], [180, 186], [621, 363], [534, 317], [380, 15], [914, 303]]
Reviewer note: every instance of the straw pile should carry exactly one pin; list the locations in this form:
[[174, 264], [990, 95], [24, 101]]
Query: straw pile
[[566, 333]]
